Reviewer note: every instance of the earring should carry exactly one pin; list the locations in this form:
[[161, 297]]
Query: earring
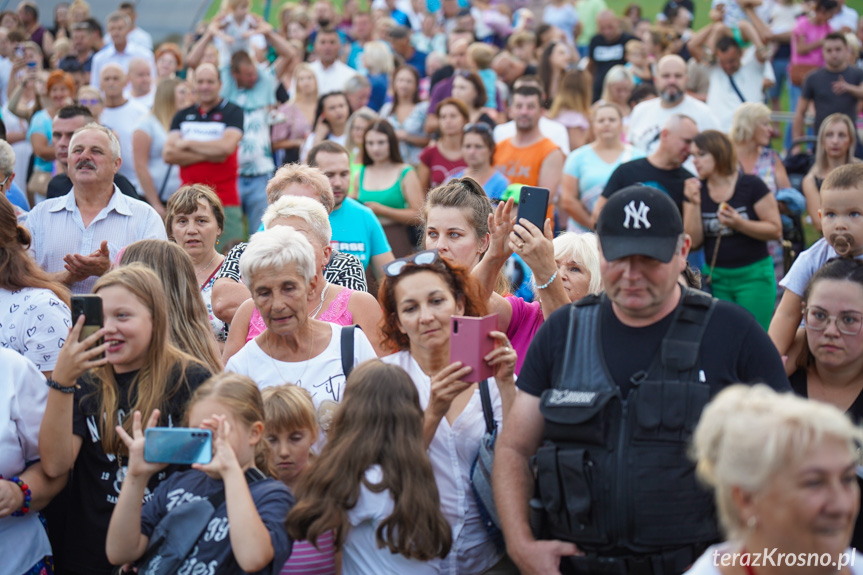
[[752, 522]]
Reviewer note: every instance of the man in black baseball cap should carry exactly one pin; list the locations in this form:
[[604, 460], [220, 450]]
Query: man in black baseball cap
[[612, 387]]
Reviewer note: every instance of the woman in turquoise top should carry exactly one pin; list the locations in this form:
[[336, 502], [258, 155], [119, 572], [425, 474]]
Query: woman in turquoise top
[[388, 186], [588, 168]]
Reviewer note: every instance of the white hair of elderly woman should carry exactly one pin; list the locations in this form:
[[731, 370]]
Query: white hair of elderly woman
[[307, 209], [583, 249], [277, 248], [748, 435]]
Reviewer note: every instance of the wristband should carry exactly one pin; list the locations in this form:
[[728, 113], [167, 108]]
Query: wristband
[[61, 388], [548, 283], [25, 508]]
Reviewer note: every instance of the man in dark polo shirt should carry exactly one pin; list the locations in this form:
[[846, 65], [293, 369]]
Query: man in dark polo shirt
[[203, 141]]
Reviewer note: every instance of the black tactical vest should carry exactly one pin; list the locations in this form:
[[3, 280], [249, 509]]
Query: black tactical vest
[[614, 475]]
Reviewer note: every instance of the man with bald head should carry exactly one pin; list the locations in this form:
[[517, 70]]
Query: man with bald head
[[606, 48], [648, 118], [141, 88], [120, 114], [203, 141]]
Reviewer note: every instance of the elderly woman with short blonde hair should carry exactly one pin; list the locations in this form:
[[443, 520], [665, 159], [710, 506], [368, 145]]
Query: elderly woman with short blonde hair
[[281, 268], [783, 469], [327, 302]]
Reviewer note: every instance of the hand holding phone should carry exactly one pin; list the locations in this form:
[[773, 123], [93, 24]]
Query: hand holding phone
[[470, 341], [178, 445], [533, 205], [90, 306], [138, 466]]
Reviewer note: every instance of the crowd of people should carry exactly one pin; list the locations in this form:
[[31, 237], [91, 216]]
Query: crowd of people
[[285, 225]]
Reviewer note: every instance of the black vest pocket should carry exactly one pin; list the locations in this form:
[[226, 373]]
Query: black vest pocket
[[569, 486], [576, 416]]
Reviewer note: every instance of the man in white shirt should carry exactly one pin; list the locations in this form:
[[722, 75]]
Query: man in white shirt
[[845, 20], [736, 76], [648, 118], [94, 219], [120, 115], [136, 35], [331, 73], [121, 51], [140, 88]]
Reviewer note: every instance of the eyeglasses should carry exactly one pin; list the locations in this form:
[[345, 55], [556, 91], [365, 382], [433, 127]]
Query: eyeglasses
[[89, 101], [847, 322], [423, 258], [5, 181], [477, 127]]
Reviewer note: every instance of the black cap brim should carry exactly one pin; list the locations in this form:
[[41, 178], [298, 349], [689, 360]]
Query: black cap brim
[[614, 248]]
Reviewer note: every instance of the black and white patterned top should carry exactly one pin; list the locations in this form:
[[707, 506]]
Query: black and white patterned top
[[34, 322], [343, 270]]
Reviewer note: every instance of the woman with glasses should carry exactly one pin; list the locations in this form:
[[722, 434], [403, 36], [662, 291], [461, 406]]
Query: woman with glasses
[[419, 296], [478, 146], [444, 157], [468, 87], [388, 186], [826, 363], [91, 98], [407, 114]]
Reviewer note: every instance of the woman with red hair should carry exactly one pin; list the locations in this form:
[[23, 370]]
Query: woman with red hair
[[59, 88]]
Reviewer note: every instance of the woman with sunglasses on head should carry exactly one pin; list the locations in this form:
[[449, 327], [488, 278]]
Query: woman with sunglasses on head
[[478, 146], [459, 221], [419, 296], [826, 360], [388, 186]]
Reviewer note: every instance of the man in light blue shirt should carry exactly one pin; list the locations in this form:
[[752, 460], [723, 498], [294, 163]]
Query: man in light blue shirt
[[76, 236], [356, 229], [121, 52]]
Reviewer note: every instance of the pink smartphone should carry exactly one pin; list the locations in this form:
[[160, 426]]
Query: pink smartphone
[[470, 342]]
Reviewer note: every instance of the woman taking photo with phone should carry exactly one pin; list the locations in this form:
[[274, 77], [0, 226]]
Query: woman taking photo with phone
[[254, 506], [388, 186], [372, 486], [460, 223], [94, 385], [419, 296]]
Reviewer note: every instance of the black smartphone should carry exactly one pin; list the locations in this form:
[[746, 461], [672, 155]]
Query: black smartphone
[[90, 306], [533, 205]]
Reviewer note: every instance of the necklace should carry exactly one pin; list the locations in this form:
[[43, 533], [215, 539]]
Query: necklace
[[314, 314], [299, 380], [207, 265]]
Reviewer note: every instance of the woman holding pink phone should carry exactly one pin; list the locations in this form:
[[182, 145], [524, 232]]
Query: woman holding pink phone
[[419, 296]]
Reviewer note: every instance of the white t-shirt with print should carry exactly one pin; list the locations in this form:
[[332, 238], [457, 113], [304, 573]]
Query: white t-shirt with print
[[34, 322], [322, 376], [806, 264]]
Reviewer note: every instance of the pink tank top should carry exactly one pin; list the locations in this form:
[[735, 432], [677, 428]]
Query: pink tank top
[[337, 313], [308, 560]]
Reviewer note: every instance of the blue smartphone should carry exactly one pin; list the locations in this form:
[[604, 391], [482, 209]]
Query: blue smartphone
[[179, 445]]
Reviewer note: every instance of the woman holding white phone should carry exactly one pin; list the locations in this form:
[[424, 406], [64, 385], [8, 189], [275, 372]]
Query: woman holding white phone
[[419, 296]]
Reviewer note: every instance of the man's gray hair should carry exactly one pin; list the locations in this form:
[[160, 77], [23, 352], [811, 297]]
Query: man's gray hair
[[7, 158], [356, 83], [674, 121], [118, 15], [277, 248], [112, 138]]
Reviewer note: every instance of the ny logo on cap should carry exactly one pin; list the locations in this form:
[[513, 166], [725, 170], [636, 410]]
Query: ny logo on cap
[[637, 215]]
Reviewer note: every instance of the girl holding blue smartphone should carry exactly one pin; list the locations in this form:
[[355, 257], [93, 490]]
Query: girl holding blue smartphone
[[246, 532], [91, 395]]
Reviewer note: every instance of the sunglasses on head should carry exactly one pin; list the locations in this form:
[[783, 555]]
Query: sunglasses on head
[[423, 258], [89, 101], [477, 127]]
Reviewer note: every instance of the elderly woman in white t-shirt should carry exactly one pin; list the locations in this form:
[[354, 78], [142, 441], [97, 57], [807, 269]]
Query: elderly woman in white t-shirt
[[784, 473], [278, 267], [419, 295]]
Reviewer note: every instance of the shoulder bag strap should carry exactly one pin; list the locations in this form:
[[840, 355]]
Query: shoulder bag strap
[[165, 182], [347, 348], [735, 88], [487, 410]]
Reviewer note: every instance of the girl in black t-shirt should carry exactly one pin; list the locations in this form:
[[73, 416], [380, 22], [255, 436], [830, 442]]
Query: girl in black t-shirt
[[733, 216], [141, 370]]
